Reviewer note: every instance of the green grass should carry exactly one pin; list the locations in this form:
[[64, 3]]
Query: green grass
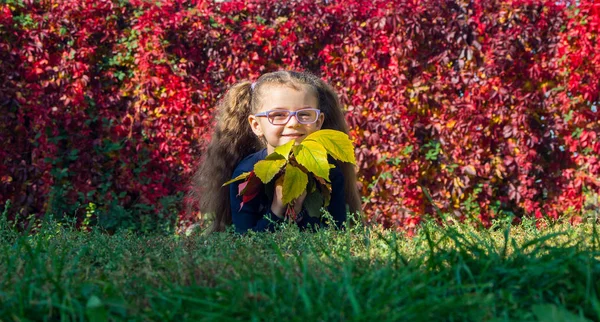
[[454, 273]]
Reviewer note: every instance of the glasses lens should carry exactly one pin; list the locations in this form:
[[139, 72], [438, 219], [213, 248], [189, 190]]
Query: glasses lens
[[307, 116], [279, 117]]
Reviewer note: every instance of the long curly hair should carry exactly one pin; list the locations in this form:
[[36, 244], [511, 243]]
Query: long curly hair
[[233, 140]]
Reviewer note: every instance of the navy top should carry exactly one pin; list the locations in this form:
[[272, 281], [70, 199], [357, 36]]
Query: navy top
[[256, 214]]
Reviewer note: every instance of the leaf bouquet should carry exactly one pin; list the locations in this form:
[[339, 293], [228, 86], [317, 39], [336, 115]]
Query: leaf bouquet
[[298, 168]]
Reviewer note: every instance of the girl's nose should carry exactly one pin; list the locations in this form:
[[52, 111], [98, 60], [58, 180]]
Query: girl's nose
[[293, 121]]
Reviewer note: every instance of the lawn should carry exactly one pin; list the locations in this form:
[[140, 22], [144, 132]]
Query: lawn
[[451, 273]]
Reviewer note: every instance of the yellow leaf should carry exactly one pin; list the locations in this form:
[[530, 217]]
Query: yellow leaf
[[240, 177], [450, 124], [337, 143], [458, 183], [294, 183], [498, 173], [313, 156], [284, 150], [267, 169]]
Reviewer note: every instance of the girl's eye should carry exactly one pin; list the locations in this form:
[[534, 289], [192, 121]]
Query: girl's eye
[[306, 115], [279, 114]]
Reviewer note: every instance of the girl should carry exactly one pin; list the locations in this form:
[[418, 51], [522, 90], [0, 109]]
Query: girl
[[252, 120]]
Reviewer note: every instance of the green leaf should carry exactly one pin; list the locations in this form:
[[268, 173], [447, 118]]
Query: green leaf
[[94, 302], [313, 203], [325, 189], [267, 169], [294, 183], [95, 310], [275, 156], [551, 312], [336, 143], [240, 177], [569, 116], [313, 156], [284, 150]]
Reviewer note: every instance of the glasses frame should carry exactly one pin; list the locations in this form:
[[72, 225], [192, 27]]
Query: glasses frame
[[292, 113]]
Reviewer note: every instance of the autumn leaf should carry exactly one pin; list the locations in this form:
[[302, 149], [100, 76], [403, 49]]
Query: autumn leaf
[[294, 183], [284, 150], [249, 189], [238, 178], [268, 168], [337, 144], [313, 156]]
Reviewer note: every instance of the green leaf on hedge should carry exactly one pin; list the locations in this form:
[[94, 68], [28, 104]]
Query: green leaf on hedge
[[294, 183], [238, 178], [337, 143], [313, 156], [284, 150], [267, 169]]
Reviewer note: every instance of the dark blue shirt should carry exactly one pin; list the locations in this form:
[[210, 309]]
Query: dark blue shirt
[[256, 214]]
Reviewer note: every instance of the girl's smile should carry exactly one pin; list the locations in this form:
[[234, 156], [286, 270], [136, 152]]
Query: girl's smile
[[293, 135]]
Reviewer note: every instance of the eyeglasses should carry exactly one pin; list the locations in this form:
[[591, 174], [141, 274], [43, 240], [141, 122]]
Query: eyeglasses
[[281, 117]]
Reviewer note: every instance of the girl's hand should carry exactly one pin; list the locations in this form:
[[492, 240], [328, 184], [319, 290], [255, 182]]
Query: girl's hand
[[277, 206], [299, 201]]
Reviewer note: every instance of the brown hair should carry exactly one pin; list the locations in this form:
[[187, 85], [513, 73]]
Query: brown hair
[[233, 140]]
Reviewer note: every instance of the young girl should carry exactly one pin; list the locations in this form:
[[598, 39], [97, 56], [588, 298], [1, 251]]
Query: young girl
[[253, 119]]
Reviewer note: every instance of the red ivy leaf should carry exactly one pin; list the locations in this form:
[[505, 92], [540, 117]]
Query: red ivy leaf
[[249, 189]]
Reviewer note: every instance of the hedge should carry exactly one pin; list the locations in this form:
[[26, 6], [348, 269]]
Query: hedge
[[469, 109]]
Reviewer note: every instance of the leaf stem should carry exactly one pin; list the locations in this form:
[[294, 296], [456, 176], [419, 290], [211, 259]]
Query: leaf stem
[[290, 212]]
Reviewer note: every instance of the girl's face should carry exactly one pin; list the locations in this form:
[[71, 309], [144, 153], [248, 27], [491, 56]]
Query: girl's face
[[282, 98]]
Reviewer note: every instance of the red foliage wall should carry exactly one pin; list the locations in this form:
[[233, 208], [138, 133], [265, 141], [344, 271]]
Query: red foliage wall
[[491, 106]]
